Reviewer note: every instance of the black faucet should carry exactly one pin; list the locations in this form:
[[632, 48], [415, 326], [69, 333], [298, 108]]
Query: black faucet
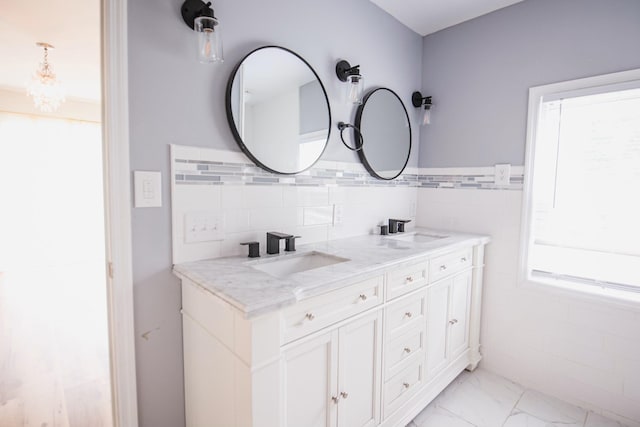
[[397, 225], [273, 241]]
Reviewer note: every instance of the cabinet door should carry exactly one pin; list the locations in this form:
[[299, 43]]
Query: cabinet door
[[310, 374], [359, 372], [437, 323], [460, 294]]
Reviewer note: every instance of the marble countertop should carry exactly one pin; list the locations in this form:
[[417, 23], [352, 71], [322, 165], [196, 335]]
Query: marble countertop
[[254, 292]]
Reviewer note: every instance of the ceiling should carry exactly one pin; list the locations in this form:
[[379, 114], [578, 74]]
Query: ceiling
[[428, 16], [72, 26]]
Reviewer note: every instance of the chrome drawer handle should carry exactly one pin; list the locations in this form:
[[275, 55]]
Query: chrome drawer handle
[[406, 385], [443, 267], [335, 399], [407, 350], [344, 395], [408, 314], [408, 279], [453, 321], [463, 259], [309, 316], [363, 297]]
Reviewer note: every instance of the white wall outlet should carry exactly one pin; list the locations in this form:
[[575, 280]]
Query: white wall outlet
[[502, 174], [202, 227], [147, 189], [338, 214]]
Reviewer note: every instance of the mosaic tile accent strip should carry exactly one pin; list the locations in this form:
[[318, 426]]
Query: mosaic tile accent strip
[[201, 172]]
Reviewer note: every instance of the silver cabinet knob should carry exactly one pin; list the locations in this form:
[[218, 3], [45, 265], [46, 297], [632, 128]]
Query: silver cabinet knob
[[408, 279], [335, 399], [406, 385], [363, 297], [407, 350], [453, 321], [309, 316], [443, 267], [344, 395], [408, 314], [463, 259]]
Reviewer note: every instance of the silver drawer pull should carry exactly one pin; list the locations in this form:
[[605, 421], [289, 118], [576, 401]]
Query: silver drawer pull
[[408, 314], [344, 395], [406, 385], [309, 316], [407, 350], [443, 267], [335, 399], [363, 297], [453, 321], [463, 259], [408, 279]]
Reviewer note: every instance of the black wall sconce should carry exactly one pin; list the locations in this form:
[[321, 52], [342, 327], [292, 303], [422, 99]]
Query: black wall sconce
[[419, 101], [199, 17], [353, 78]]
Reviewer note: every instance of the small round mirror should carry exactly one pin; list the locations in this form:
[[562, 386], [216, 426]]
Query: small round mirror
[[386, 132], [278, 110]]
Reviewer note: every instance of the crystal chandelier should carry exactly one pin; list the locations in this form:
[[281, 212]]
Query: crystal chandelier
[[46, 90]]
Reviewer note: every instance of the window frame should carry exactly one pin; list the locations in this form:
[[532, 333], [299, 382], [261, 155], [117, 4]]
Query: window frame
[[537, 95]]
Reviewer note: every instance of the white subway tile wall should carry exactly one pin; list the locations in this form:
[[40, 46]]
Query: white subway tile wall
[[584, 352]]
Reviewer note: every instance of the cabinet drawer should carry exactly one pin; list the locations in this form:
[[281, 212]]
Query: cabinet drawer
[[404, 349], [405, 313], [450, 263], [315, 313], [406, 279], [401, 387]]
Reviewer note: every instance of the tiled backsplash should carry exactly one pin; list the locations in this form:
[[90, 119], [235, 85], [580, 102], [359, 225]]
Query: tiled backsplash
[[332, 200]]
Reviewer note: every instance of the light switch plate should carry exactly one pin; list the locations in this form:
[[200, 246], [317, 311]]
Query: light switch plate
[[203, 227], [502, 174], [147, 189]]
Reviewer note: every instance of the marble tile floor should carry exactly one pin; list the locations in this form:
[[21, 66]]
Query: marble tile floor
[[483, 399]]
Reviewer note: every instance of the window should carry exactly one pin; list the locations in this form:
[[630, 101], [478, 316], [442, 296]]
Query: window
[[581, 213]]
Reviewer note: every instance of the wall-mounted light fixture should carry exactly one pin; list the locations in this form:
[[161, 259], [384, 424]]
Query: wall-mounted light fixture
[[419, 101], [353, 78], [199, 17], [45, 88]]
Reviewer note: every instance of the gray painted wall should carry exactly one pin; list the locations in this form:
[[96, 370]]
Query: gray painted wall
[[479, 72], [174, 99]]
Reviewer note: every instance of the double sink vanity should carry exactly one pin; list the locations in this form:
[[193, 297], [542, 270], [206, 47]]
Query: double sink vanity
[[360, 331]]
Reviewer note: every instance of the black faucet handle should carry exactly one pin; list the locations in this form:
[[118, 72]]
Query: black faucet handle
[[397, 225], [384, 229], [290, 243], [254, 249]]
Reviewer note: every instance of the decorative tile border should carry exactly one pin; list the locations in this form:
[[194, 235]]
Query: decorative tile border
[[199, 172]]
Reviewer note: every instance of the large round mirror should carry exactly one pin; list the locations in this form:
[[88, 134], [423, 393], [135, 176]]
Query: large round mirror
[[386, 133], [278, 110]]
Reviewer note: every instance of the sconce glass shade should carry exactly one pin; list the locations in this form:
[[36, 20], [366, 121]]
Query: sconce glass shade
[[426, 115], [209, 39], [354, 89]]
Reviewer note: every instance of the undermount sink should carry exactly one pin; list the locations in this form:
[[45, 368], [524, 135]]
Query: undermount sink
[[283, 267], [416, 237]]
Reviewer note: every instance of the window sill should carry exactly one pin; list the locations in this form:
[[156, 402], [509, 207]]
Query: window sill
[[592, 294]]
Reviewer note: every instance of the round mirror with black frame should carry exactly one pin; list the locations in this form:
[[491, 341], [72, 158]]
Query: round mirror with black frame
[[384, 124], [278, 110]]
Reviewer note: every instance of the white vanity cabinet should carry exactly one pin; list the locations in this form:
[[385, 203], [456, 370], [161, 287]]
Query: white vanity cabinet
[[447, 320], [333, 379], [373, 352]]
